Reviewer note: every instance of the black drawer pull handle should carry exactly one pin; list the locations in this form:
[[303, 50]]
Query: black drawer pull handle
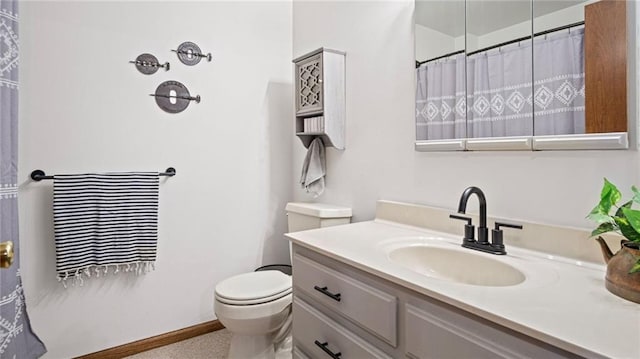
[[324, 291], [323, 346]]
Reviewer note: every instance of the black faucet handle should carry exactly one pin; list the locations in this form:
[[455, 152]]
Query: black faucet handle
[[462, 218], [508, 225], [497, 241], [469, 229]]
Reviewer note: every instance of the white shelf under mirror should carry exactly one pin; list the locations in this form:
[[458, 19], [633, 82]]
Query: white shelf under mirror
[[499, 144], [595, 141], [441, 145]]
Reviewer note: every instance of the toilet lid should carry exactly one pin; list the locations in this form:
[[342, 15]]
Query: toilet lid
[[249, 287]]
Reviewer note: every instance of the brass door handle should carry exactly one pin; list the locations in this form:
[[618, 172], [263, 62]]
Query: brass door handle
[[6, 254]]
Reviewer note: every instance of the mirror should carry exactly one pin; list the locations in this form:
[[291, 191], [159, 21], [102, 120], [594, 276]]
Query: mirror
[[521, 74], [440, 46], [559, 77], [580, 67], [499, 68]]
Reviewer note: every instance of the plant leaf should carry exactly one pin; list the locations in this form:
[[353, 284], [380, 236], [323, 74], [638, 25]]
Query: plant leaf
[[636, 194], [619, 212], [626, 229], [610, 187], [594, 211], [633, 216], [603, 228], [605, 203], [600, 218], [608, 197], [635, 268]]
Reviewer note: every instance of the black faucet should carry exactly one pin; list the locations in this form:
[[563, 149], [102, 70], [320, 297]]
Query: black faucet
[[482, 244], [483, 231]]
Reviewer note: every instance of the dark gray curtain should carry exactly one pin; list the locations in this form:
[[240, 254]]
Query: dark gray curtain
[[17, 340]]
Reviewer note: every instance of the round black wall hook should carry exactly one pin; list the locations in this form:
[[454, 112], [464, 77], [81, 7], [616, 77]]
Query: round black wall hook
[[170, 171], [38, 175]]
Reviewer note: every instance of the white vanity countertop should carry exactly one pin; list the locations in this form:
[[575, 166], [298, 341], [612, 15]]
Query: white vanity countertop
[[562, 302]]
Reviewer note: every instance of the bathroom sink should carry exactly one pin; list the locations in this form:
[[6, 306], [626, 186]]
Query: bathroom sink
[[456, 264]]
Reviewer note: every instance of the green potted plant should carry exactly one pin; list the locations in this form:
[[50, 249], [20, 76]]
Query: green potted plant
[[623, 268]]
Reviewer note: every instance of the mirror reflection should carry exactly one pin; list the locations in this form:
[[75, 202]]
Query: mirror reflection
[[514, 68], [574, 93], [440, 47], [499, 69], [559, 78]]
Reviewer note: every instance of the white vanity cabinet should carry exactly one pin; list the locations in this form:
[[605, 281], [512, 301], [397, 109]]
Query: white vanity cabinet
[[320, 97], [343, 312]]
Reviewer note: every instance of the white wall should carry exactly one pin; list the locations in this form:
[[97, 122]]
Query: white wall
[[506, 34], [548, 21], [379, 161], [431, 43], [85, 108], [560, 17]]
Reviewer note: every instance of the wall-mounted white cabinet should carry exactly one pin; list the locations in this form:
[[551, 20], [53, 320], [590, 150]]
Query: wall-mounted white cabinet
[[320, 97]]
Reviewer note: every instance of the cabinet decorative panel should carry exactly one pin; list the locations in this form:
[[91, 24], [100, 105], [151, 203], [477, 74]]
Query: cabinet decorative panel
[[309, 84]]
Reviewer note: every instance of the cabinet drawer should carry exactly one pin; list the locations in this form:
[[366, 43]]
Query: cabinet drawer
[[433, 331], [321, 337], [371, 308]]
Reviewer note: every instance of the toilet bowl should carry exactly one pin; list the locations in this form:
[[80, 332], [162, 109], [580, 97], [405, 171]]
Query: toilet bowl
[[256, 307]]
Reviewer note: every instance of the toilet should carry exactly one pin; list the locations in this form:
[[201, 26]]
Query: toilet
[[256, 307]]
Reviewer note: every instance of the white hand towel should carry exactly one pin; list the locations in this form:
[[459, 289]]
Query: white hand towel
[[313, 168]]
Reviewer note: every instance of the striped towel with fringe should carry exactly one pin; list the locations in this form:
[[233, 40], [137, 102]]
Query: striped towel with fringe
[[105, 221]]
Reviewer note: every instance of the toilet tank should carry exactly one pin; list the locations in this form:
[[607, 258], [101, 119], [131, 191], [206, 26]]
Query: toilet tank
[[303, 216]]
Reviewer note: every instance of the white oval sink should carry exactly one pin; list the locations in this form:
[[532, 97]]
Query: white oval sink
[[457, 265]]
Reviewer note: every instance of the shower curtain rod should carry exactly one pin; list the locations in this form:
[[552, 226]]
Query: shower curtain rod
[[418, 63], [559, 28], [39, 175]]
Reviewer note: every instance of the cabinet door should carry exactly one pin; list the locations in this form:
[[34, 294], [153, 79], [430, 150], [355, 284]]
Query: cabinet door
[[309, 78], [434, 331]]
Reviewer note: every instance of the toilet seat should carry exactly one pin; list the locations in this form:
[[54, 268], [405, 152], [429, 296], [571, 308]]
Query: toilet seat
[[253, 288], [255, 301]]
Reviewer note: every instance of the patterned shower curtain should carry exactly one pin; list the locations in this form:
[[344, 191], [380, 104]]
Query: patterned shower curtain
[[440, 100], [499, 92], [559, 97], [500, 101], [17, 341]]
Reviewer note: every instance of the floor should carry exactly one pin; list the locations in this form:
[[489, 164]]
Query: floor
[[213, 345]]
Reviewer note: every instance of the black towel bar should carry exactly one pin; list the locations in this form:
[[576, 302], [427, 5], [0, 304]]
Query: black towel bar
[[39, 175]]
